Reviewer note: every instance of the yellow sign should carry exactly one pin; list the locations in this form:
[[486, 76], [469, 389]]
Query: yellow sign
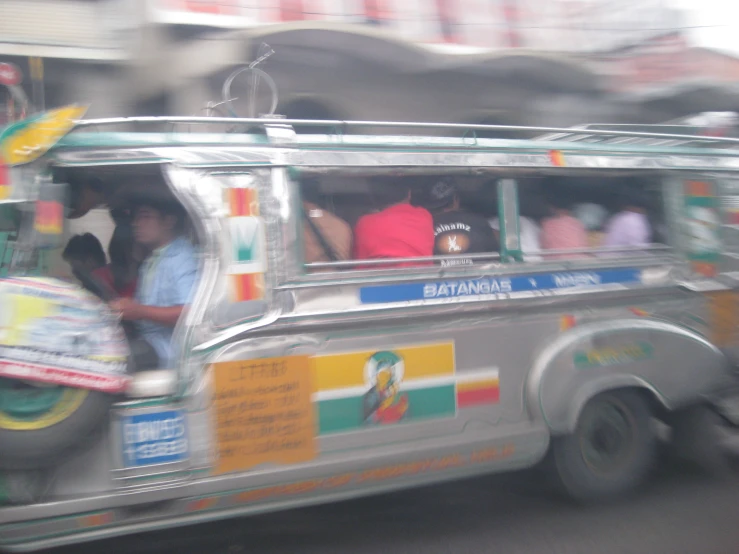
[[264, 412], [29, 140]]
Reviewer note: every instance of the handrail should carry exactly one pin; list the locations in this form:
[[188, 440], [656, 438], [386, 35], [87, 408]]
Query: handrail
[[493, 256], [337, 123], [647, 248]]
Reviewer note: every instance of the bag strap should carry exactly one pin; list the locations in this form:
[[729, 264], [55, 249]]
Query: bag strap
[[330, 252]]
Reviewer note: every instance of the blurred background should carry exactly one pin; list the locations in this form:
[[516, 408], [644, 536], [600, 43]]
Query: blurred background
[[517, 62]]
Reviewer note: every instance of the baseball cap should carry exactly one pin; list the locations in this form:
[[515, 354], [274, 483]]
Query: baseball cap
[[441, 194]]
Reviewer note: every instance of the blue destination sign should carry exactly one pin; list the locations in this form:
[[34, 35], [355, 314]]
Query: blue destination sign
[[462, 288]]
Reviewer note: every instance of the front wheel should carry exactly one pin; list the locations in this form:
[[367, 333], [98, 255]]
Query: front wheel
[[612, 449]]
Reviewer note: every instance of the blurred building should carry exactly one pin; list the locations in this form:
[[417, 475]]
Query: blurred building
[[559, 62]]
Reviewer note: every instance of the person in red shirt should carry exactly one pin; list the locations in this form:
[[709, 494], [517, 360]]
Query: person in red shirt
[[399, 230]]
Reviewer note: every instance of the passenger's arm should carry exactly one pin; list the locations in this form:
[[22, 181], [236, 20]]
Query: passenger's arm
[[131, 310], [166, 316]]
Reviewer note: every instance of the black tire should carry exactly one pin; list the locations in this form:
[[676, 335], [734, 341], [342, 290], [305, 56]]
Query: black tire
[[697, 433], [611, 451], [47, 446]]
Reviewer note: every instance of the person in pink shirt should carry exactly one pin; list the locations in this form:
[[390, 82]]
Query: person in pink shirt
[[562, 230], [630, 227]]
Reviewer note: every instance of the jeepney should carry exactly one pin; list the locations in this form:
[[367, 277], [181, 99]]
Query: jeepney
[[305, 383]]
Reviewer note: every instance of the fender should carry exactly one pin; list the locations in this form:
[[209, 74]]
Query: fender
[[676, 365]]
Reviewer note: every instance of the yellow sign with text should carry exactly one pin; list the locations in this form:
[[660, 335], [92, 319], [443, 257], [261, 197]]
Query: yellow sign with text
[[27, 141], [264, 412]]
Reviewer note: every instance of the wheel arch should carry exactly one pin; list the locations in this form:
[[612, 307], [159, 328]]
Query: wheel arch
[[557, 391]]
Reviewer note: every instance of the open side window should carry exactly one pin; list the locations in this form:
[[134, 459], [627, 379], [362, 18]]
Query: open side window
[[376, 222]]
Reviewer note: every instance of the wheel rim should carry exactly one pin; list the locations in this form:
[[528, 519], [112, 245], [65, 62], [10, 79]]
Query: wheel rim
[[25, 406], [607, 436]]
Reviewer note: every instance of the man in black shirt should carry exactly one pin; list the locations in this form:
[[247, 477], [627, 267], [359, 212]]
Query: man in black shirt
[[456, 231]]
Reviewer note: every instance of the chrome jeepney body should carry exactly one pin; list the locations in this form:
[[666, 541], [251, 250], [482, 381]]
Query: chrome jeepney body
[[491, 360]]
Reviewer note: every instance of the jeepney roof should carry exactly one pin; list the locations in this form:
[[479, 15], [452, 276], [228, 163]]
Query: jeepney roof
[[193, 149], [155, 142]]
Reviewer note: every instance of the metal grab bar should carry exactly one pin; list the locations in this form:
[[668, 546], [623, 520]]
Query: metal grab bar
[[393, 261], [654, 247], [337, 123]]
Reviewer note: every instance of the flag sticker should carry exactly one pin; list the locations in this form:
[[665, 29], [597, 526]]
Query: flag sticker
[[247, 244], [242, 202], [248, 286]]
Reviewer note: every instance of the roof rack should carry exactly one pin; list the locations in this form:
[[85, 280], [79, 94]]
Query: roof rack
[[689, 130], [622, 134]]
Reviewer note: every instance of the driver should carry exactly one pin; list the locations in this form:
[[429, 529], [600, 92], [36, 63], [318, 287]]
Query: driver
[[166, 278]]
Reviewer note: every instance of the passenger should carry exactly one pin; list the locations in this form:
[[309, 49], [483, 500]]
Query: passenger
[[166, 279], [399, 230], [327, 238], [84, 253], [630, 226], [456, 231], [562, 231], [120, 275], [593, 218]]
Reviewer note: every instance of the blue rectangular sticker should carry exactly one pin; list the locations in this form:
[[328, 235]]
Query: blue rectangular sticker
[[155, 438], [464, 288]]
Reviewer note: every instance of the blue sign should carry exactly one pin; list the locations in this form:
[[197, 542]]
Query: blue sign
[[465, 288], [155, 438]]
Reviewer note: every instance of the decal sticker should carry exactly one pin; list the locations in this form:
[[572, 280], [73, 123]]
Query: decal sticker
[[242, 202], [55, 333], [558, 159], [617, 355], [384, 403], [49, 218], [264, 412], [566, 322], [247, 286], [359, 389], [5, 187], [98, 519], [155, 438], [478, 388], [491, 286], [28, 140], [703, 227], [247, 245], [355, 390]]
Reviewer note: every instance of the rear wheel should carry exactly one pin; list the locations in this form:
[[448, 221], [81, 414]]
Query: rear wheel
[[611, 450], [39, 424]]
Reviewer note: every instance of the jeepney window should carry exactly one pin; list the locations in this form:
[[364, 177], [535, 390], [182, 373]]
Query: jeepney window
[[595, 216], [372, 222], [567, 217]]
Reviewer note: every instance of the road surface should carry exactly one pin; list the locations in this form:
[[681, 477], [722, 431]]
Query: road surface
[[680, 512]]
